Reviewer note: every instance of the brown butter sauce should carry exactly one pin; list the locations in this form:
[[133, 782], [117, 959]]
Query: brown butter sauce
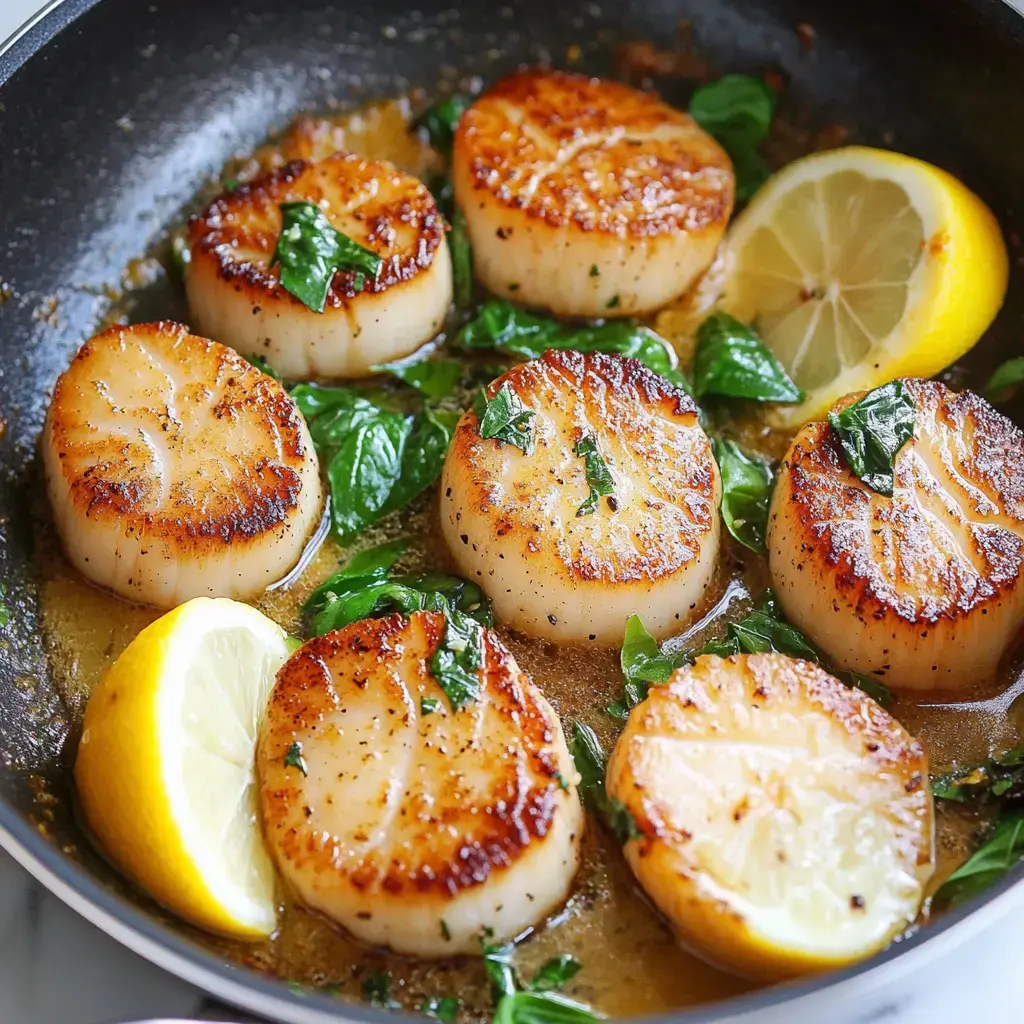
[[631, 962]]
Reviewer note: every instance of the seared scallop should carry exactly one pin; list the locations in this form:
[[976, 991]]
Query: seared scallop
[[922, 590], [563, 562], [177, 470], [587, 197], [786, 820], [416, 826], [235, 295]]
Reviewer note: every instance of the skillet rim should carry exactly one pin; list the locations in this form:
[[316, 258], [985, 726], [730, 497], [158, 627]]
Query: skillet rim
[[251, 990]]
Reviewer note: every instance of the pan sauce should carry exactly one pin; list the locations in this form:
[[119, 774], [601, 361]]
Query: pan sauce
[[631, 962]]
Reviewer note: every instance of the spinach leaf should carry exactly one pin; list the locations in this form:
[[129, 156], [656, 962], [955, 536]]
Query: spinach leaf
[[435, 378], [377, 460], [590, 761], [733, 362], [505, 418], [1006, 376], [554, 973], [462, 261], [309, 251], [999, 776], [746, 489], [737, 110], [498, 966], [445, 1009], [429, 705], [500, 324], [263, 366], [761, 632], [541, 1008], [998, 855], [871, 433], [642, 662], [365, 588], [440, 121], [458, 659], [599, 477]]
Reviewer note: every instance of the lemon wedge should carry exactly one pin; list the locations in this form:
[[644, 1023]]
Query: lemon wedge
[[860, 265], [165, 769]]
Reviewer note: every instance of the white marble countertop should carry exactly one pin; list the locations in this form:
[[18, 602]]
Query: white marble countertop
[[55, 968]]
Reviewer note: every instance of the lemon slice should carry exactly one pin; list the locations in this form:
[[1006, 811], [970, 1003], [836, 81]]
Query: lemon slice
[[859, 266], [165, 769]]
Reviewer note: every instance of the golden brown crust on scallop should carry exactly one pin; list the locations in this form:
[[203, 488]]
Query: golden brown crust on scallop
[[122, 476], [236, 235], [445, 835], [638, 416], [951, 540], [535, 138]]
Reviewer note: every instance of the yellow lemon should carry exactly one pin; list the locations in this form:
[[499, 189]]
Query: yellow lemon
[[860, 265], [165, 769]]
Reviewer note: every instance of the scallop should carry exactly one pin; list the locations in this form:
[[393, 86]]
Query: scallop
[[556, 561], [415, 826], [586, 197], [177, 470], [786, 821], [235, 295], [921, 590]]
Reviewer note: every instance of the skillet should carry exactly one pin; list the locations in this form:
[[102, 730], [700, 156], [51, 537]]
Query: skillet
[[113, 113]]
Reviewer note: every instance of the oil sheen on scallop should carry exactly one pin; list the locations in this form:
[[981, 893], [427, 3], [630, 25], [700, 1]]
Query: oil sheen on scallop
[[415, 826], [175, 469], [515, 522], [921, 590]]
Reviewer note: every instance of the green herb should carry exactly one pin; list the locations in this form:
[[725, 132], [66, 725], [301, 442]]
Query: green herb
[[589, 757], [377, 460], [428, 706], [594, 271], [995, 777], [761, 632], [560, 779], [506, 327], [599, 477], [998, 855], [871, 433], [366, 588], [263, 366], [612, 303], [5, 612], [458, 659], [505, 418], [462, 261], [230, 184], [440, 121], [737, 110], [498, 966], [309, 251], [555, 973], [377, 990], [435, 378], [733, 362], [878, 692], [293, 643], [541, 1008], [1006, 376], [746, 488], [294, 759], [444, 1009], [642, 662], [445, 933], [181, 254]]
